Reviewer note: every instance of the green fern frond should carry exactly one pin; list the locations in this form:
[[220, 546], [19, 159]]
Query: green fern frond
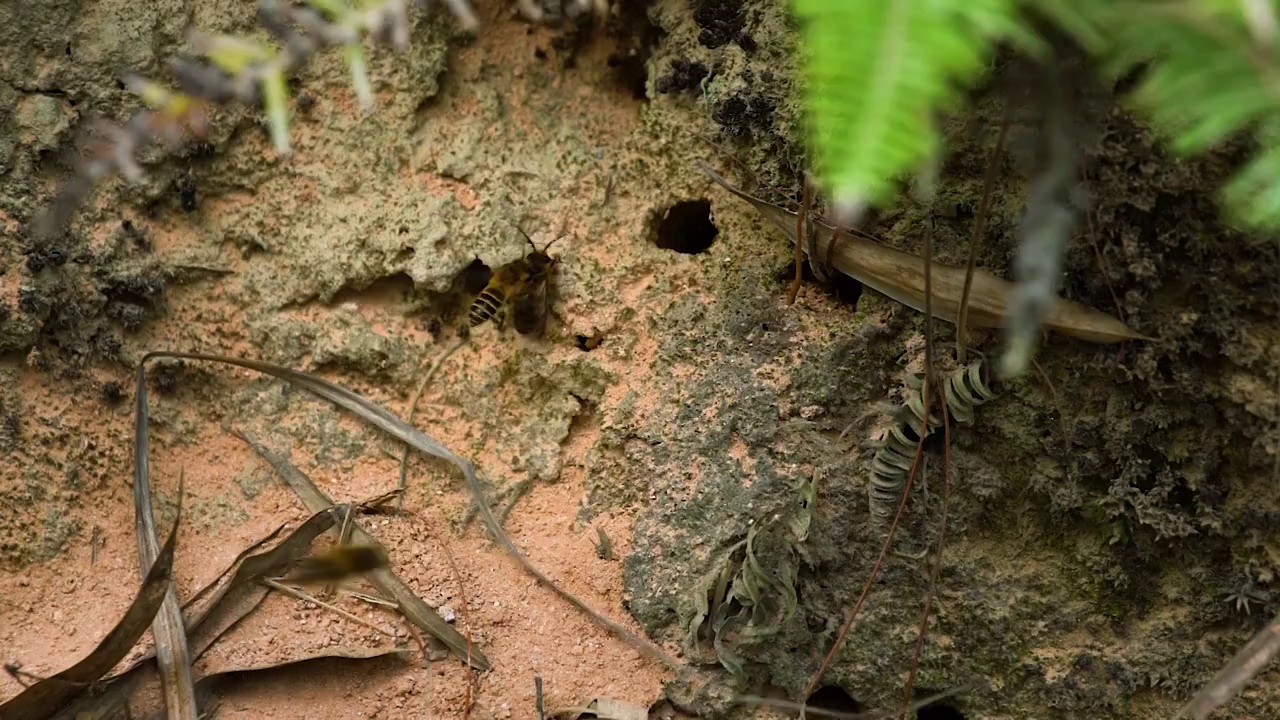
[[877, 72], [1255, 191], [1085, 20], [1207, 80]]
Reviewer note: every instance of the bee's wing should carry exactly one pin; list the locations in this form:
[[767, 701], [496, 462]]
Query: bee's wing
[[544, 304], [530, 311]]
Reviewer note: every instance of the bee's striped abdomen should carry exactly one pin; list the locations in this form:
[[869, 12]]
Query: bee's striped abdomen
[[487, 305]]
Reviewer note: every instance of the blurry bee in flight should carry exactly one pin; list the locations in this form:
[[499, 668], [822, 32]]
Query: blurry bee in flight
[[519, 289], [338, 563]]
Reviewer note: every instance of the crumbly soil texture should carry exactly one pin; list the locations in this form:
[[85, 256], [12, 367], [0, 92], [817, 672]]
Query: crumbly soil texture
[[1112, 518]]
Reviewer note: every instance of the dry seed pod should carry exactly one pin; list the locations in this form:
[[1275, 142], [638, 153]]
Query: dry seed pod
[[964, 390]]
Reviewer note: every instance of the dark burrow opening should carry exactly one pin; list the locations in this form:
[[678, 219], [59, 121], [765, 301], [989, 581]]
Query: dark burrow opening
[[835, 699], [686, 227], [636, 37], [587, 343], [940, 710], [472, 279]]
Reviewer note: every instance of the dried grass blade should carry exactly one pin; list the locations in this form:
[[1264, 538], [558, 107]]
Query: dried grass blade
[[232, 596], [172, 655], [900, 276], [224, 591], [378, 416], [1237, 673], [309, 598], [288, 551], [214, 588], [413, 608], [46, 697], [333, 653]]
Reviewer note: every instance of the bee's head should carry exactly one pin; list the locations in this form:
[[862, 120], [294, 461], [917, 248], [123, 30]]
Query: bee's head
[[539, 259]]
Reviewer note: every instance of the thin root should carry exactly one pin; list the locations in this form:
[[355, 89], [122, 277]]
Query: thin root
[[307, 597]]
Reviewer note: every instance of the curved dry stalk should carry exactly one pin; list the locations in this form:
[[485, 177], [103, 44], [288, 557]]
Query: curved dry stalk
[[380, 417], [1103, 266], [937, 560], [413, 410], [805, 205], [1237, 673], [173, 656], [930, 377], [979, 228]]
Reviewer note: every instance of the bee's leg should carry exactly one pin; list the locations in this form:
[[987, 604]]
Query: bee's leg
[[551, 311]]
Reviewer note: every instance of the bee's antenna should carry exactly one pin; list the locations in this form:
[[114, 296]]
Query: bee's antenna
[[528, 239], [547, 247]]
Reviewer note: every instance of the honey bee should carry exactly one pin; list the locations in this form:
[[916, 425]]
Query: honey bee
[[519, 289], [338, 563]]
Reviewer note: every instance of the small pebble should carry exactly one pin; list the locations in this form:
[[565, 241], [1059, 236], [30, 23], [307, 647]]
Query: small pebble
[[810, 412]]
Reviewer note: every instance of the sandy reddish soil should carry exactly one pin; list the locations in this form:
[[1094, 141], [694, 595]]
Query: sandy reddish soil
[[53, 613]]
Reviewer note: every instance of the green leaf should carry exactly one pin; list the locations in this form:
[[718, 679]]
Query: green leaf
[[877, 73], [275, 94], [1208, 81], [1254, 193], [354, 55]]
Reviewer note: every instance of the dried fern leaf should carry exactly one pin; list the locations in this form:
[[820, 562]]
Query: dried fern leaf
[[900, 275]]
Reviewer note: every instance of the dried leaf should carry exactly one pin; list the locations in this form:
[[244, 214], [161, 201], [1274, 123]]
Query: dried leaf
[[209, 674], [45, 697], [900, 276], [172, 654], [412, 606], [232, 596], [379, 417]]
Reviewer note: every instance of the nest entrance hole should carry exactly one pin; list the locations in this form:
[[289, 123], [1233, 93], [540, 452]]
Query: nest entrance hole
[[686, 227]]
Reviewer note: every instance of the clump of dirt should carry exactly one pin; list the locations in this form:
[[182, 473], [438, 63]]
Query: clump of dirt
[[684, 75], [722, 22]]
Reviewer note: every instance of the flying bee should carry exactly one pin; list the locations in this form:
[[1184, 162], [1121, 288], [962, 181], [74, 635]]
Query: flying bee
[[519, 289], [338, 563]]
